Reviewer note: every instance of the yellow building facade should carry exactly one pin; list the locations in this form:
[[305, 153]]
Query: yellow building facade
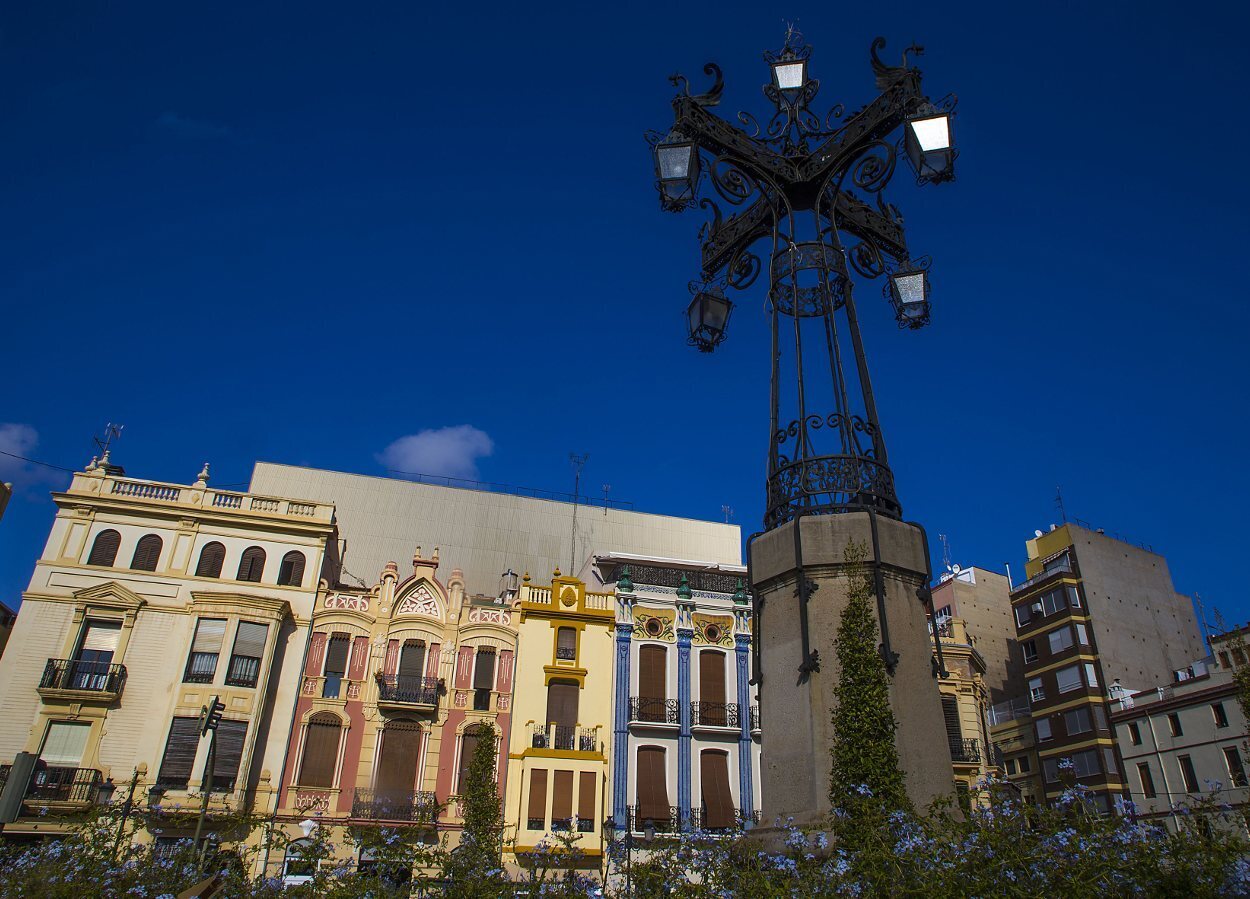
[[965, 704]]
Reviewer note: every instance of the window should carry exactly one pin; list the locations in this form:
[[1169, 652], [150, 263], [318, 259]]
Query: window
[[1082, 635], [411, 665], [1236, 771], [1091, 674], [562, 708], [1188, 774], [90, 670], [230, 739], [1060, 639], [1030, 651], [1074, 597], [468, 746], [1224, 663], [1239, 657], [291, 572], [212, 557], [1147, 780], [210, 633], [147, 553], [562, 801], [104, 550], [483, 678], [321, 750], [1077, 721], [1050, 770], [398, 760], [1023, 615], [712, 708], [64, 745], [566, 643], [252, 564], [652, 787], [1085, 763], [1043, 729], [1011, 766], [180, 748], [336, 665], [1174, 725], [1024, 764], [300, 864], [1069, 678], [249, 649], [1100, 719], [1221, 716], [587, 788], [718, 804], [1134, 733], [652, 667], [950, 717], [537, 817], [1036, 691]]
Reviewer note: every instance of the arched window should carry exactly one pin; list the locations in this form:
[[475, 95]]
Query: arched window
[[147, 553], [104, 550], [252, 565], [291, 573], [211, 558], [321, 750]]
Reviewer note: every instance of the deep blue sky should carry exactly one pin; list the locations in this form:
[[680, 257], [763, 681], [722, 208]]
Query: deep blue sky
[[300, 232]]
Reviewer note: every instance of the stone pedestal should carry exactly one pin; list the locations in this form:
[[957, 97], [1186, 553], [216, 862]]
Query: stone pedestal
[[797, 727]]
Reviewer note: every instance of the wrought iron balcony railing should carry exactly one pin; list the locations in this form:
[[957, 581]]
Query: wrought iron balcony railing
[[755, 717], [565, 737], [538, 736], [700, 820], [965, 751], [420, 807], [408, 689], [714, 714], [654, 711], [56, 784], [91, 677], [670, 823], [568, 653]]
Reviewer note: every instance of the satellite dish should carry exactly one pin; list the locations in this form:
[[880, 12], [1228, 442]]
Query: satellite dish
[[956, 569], [1037, 533]]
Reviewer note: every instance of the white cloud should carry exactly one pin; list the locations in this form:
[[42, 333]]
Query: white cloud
[[20, 440], [448, 452]]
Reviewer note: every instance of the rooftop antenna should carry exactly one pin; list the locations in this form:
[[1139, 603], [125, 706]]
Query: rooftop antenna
[[1202, 617], [1059, 503], [946, 551], [579, 462], [111, 432], [727, 512], [607, 488]]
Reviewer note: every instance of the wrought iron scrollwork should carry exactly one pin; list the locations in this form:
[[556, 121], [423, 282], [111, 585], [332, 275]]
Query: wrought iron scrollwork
[[710, 97]]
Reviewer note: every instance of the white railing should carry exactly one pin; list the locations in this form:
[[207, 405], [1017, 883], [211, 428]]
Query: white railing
[[600, 601], [145, 490], [301, 508], [228, 500], [199, 496], [265, 504], [540, 595]]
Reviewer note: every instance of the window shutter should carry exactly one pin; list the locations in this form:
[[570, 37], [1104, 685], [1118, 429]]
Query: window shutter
[[65, 743], [412, 659], [397, 763], [104, 550], [652, 789], [950, 715], [566, 639], [562, 796], [538, 796], [252, 564], [711, 676], [468, 745], [718, 803], [586, 791], [484, 669], [102, 636], [562, 699], [291, 573], [652, 662], [230, 737], [321, 749], [180, 747], [209, 635], [336, 656], [250, 640], [147, 553], [212, 556]]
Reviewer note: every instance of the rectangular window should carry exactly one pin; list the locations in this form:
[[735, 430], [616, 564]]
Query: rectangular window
[[90, 670], [1174, 725], [1043, 729], [1024, 764], [483, 678], [180, 748], [1054, 600], [566, 644], [249, 648], [1091, 674], [65, 743], [210, 633], [562, 801], [1100, 719], [1082, 635], [1077, 721], [1069, 678], [537, 817], [1050, 770], [1030, 651], [1134, 733], [1011, 766], [1060, 639], [587, 788], [336, 665], [1085, 763], [652, 795], [1147, 780], [1074, 597], [230, 738], [1221, 716], [1023, 616], [1036, 691], [1236, 771], [1188, 775]]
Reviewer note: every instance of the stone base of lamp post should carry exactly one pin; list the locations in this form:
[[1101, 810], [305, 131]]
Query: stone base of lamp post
[[797, 728]]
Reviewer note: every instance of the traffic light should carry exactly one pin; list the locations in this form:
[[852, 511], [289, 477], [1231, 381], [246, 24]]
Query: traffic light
[[210, 716]]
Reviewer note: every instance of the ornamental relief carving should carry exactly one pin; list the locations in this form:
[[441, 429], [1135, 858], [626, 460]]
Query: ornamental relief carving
[[713, 630], [351, 603], [419, 602], [490, 616], [654, 626]]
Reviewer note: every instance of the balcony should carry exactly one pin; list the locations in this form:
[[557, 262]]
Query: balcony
[[419, 808], [714, 714], [965, 752], [407, 691], [662, 824], [698, 819], [654, 711], [755, 719], [564, 738], [71, 786], [82, 681]]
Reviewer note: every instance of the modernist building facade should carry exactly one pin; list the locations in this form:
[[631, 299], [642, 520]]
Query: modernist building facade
[[965, 708], [150, 598], [397, 684]]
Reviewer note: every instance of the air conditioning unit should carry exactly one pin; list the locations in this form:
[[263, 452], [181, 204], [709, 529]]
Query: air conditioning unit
[[1036, 608]]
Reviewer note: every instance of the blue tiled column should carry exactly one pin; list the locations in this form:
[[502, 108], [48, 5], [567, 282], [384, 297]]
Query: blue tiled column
[[620, 734], [746, 784], [683, 738]]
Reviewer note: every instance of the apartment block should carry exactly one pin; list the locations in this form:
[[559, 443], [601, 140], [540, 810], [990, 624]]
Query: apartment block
[[982, 600]]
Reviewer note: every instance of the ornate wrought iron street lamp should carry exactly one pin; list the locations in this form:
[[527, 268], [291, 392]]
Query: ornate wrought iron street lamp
[[804, 182]]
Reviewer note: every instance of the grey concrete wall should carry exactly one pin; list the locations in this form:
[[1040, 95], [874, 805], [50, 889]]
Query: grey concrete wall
[[797, 727]]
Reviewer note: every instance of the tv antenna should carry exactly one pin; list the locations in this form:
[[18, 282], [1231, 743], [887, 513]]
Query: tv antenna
[[579, 462], [111, 432], [607, 488], [1059, 503], [727, 512], [946, 551]]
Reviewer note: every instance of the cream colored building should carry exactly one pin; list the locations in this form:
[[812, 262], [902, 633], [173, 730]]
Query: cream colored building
[[965, 704], [149, 599]]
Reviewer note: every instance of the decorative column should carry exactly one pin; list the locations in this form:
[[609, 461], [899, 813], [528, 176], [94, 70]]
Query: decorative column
[[620, 729], [685, 633], [742, 659]]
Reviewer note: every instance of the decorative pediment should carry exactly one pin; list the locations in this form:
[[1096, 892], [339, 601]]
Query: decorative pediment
[[110, 595], [420, 601]]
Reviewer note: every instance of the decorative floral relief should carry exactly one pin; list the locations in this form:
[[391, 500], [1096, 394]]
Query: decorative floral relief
[[343, 601], [310, 686], [713, 630], [490, 616], [654, 627], [419, 602]]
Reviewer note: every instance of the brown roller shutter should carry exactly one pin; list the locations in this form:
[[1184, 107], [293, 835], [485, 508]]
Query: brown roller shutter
[[652, 786], [230, 737], [412, 659], [712, 688], [538, 798], [184, 739], [950, 715], [562, 797], [397, 763], [562, 699], [484, 670], [321, 749], [586, 790], [336, 656], [468, 746], [718, 807], [652, 662]]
